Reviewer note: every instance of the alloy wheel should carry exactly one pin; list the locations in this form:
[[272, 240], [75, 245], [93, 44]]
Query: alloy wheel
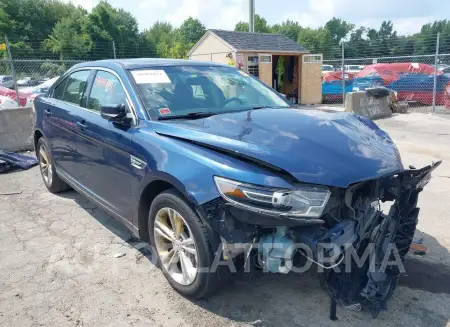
[[175, 245], [45, 164]]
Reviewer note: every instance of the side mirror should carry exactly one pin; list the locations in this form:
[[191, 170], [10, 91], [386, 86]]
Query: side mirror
[[113, 112]]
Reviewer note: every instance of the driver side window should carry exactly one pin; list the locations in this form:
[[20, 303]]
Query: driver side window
[[106, 90]]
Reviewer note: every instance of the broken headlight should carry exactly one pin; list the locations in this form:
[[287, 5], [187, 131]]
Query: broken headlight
[[304, 201]]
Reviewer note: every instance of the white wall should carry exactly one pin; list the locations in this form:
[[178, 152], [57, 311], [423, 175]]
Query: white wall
[[211, 44], [16, 129]]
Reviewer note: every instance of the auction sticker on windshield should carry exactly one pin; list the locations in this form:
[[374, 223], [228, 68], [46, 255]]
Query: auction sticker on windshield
[[150, 76], [164, 111]]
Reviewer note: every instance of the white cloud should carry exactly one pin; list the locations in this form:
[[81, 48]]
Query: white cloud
[[407, 16], [316, 13], [87, 4], [410, 25], [222, 14]]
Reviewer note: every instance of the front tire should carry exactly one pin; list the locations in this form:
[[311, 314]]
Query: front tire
[[51, 180], [182, 246]]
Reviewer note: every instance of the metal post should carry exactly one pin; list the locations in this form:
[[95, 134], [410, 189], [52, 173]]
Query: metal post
[[251, 20], [436, 58], [13, 71], [114, 49], [343, 75]]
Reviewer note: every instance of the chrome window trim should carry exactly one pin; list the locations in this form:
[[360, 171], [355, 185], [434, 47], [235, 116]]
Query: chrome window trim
[[108, 70]]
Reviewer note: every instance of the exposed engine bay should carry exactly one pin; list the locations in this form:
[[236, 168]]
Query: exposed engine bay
[[359, 246]]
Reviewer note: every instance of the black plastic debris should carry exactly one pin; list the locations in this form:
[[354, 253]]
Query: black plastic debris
[[378, 92], [12, 161]]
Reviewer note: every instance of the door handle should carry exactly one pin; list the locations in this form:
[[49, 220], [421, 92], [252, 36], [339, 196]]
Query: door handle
[[81, 124], [47, 112]]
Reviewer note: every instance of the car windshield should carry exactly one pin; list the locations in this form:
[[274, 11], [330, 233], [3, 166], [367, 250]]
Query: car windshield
[[190, 90], [327, 68]]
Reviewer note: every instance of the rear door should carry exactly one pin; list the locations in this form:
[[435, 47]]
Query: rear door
[[61, 113], [105, 145]]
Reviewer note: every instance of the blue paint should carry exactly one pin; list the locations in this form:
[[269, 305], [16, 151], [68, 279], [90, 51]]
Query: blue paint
[[333, 149]]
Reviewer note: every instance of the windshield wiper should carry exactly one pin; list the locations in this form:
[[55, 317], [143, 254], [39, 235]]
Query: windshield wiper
[[191, 115]]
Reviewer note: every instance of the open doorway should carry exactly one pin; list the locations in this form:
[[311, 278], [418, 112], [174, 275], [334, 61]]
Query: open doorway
[[285, 76]]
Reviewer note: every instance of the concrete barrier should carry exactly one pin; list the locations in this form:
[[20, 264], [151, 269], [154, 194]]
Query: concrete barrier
[[361, 103], [16, 129]]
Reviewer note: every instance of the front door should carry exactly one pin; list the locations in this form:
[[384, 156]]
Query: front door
[[108, 173]]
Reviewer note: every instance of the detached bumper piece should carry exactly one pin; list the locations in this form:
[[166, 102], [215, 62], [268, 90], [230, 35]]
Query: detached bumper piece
[[370, 286]]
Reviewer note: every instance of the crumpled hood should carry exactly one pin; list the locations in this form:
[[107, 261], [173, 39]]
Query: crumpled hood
[[335, 149]]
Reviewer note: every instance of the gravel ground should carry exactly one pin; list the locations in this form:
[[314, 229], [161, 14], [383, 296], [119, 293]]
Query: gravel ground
[[63, 262]]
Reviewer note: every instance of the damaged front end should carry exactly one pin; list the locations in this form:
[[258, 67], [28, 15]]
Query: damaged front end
[[335, 228], [387, 236]]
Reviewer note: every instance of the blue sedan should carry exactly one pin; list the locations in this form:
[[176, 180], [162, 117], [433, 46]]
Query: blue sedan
[[214, 169]]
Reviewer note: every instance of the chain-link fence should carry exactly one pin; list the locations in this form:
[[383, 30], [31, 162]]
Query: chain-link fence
[[419, 70], [37, 70], [419, 76], [24, 65]]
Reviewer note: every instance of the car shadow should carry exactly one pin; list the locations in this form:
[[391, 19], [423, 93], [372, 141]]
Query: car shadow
[[109, 223], [263, 299]]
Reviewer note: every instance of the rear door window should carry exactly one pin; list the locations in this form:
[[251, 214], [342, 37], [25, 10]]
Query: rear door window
[[72, 88]]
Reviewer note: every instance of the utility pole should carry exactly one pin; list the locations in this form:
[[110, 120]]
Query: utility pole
[[436, 60], [114, 49], [251, 21], [343, 74], [13, 71]]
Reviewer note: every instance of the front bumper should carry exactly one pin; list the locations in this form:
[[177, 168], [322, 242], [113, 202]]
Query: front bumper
[[357, 286]]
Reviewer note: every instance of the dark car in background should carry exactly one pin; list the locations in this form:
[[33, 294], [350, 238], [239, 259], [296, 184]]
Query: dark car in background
[[204, 161]]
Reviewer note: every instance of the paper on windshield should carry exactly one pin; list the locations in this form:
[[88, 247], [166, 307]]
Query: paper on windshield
[[150, 76]]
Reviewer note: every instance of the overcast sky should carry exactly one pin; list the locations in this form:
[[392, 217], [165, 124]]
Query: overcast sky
[[407, 15]]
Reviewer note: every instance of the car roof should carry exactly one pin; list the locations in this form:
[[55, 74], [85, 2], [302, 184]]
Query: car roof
[[138, 63]]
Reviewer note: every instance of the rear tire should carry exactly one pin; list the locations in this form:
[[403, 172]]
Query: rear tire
[[205, 282], [51, 179]]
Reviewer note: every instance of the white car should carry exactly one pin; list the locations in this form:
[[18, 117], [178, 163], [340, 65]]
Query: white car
[[7, 81], [28, 81], [40, 88], [327, 69], [353, 68]]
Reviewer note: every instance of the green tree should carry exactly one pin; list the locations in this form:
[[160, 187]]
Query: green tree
[[160, 31], [147, 48], [52, 69], [261, 25], [383, 40], [315, 40], [28, 22], [31, 20], [287, 28], [108, 24], [338, 29], [191, 30], [70, 38], [358, 45], [161, 36], [425, 41]]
